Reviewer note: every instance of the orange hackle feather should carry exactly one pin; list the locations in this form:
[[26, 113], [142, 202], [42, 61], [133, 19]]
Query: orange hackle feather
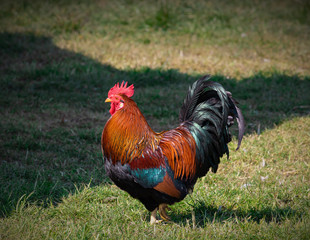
[[178, 146], [128, 138], [127, 135]]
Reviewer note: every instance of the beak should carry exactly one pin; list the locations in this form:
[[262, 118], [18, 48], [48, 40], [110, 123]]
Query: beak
[[108, 100]]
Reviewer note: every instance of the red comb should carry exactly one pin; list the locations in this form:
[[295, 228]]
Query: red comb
[[123, 89]]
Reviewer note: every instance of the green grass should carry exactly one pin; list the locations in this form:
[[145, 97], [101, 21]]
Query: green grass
[[58, 59]]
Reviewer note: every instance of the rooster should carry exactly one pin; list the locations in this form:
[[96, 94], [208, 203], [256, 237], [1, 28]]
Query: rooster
[[160, 169]]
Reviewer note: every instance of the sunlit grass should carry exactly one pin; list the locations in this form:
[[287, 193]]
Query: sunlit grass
[[235, 38]]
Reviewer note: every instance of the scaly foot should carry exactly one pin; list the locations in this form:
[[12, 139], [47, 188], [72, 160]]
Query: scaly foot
[[153, 216]]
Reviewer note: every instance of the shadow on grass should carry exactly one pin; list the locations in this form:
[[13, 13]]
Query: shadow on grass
[[206, 214], [53, 112]]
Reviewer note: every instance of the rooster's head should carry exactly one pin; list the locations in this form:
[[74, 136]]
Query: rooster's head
[[115, 96]]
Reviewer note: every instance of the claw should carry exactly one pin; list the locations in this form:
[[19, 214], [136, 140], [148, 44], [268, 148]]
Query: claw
[[162, 212], [156, 221]]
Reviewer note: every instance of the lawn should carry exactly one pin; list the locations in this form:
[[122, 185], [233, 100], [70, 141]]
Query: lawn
[[58, 59]]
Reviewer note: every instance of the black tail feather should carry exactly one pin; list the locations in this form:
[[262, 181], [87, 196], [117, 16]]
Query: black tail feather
[[208, 111]]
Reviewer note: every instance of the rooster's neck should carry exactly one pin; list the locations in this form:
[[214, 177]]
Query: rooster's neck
[[127, 134]]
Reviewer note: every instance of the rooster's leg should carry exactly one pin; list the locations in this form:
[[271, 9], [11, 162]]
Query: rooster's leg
[[163, 213], [153, 216]]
